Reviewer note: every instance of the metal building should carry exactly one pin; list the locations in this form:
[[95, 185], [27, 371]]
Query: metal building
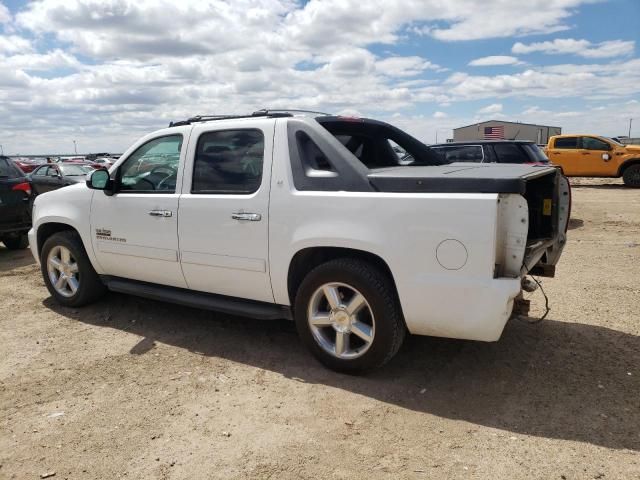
[[499, 129]]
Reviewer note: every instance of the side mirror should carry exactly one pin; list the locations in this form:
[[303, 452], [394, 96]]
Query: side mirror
[[606, 157], [99, 180]]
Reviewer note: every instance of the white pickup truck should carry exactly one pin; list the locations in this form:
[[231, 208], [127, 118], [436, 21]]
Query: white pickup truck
[[313, 218]]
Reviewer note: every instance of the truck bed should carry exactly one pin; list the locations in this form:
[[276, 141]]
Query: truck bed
[[458, 178]]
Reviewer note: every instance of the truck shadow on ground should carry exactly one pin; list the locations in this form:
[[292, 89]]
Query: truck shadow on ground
[[10, 259], [555, 379], [575, 223]]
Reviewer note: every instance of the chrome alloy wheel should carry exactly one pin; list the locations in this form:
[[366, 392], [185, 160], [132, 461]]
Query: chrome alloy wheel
[[341, 320], [63, 271]]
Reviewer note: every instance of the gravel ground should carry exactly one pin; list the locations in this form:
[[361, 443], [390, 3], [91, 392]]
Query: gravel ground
[[139, 389]]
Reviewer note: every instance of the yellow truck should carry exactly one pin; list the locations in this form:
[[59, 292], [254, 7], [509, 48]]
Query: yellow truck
[[595, 156]]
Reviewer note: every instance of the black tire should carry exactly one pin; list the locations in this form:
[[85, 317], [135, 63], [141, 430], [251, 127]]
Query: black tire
[[631, 176], [379, 293], [16, 243], [90, 288]]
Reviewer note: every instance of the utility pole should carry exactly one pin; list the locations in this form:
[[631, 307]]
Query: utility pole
[[75, 147], [1, 150], [630, 120]]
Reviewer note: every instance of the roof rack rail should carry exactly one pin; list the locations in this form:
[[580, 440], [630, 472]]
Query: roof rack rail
[[271, 113], [293, 110], [208, 118]]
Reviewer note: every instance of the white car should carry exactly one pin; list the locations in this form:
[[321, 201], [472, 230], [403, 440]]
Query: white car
[[274, 215]]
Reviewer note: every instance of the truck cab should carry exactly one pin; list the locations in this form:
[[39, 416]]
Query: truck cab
[[312, 218], [595, 156]]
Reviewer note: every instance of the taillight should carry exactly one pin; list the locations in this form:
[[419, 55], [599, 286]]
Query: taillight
[[24, 187]]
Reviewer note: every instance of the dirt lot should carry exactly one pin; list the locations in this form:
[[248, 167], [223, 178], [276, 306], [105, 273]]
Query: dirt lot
[[137, 389]]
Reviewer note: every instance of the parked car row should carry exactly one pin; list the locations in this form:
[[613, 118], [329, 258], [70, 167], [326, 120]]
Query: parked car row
[[18, 190], [576, 155], [29, 164], [15, 205]]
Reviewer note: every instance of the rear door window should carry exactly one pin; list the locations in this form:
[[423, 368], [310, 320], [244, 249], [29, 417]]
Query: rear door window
[[590, 143], [566, 143], [228, 162]]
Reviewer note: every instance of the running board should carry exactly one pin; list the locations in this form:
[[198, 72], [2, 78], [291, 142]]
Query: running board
[[205, 301]]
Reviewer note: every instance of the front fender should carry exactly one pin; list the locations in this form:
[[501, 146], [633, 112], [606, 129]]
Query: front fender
[[68, 206]]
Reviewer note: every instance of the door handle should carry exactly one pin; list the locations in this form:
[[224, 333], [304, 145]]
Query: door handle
[[251, 217], [586, 153], [161, 213]]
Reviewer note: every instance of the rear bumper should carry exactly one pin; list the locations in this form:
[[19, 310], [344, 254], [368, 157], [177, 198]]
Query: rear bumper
[[469, 310]]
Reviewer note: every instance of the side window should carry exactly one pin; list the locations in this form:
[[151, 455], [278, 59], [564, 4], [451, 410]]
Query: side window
[[590, 143], [52, 172], [566, 143], [228, 161], [462, 153], [40, 172], [153, 167], [315, 162], [509, 153]]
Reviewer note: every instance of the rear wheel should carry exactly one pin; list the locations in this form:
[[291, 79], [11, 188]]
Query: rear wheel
[[67, 271], [348, 315], [16, 243], [631, 176]]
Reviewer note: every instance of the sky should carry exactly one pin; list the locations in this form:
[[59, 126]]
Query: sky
[[105, 72]]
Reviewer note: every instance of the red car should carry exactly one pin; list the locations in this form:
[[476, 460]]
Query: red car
[[27, 165]]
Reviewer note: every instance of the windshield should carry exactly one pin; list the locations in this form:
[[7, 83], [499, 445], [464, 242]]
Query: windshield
[[535, 152], [74, 170]]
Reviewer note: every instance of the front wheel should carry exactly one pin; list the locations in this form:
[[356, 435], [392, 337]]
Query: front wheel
[[67, 271], [348, 314], [631, 176]]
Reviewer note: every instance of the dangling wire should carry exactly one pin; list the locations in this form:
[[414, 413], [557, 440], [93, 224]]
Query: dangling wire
[[546, 303]]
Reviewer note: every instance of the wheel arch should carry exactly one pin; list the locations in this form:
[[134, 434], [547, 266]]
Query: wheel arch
[[627, 164], [308, 258], [45, 230]]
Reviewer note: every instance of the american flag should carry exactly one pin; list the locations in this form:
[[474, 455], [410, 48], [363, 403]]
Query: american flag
[[494, 132]]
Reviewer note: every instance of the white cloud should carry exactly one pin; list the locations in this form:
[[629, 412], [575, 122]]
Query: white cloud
[[583, 48], [494, 60], [152, 61], [490, 109], [5, 15], [14, 44], [404, 66]]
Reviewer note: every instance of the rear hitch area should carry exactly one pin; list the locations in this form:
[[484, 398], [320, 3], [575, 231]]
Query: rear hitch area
[[522, 306]]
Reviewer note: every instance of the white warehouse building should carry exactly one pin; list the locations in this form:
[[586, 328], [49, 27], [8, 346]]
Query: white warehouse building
[[499, 129]]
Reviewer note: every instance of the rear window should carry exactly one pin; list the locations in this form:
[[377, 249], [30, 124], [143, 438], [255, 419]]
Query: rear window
[[535, 153], [8, 169], [566, 142], [509, 153], [460, 153]]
